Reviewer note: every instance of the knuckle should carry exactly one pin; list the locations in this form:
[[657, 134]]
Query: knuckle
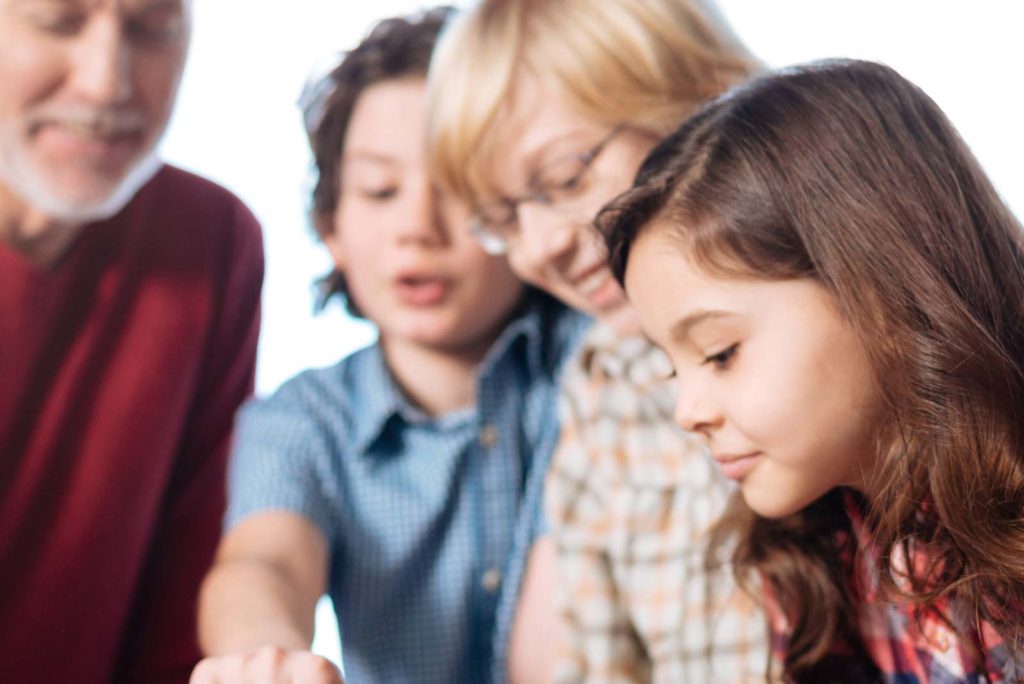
[[202, 673], [320, 669]]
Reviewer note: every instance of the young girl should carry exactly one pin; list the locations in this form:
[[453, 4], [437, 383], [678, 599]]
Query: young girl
[[540, 113], [841, 293]]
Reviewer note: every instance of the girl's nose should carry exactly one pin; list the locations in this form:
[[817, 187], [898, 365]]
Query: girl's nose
[[695, 411]]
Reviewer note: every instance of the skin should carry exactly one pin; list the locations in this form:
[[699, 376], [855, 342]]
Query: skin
[[557, 248], [86, 90], [438, 301], [768, 372], [535, 641], [258, 603]]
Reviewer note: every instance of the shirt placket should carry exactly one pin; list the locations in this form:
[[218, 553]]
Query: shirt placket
[[498, 470]]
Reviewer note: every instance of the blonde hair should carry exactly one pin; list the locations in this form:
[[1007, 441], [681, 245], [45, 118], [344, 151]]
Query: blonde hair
[[647, 63]]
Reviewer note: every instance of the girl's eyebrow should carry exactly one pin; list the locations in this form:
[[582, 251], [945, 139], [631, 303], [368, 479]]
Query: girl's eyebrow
[[681, 329]]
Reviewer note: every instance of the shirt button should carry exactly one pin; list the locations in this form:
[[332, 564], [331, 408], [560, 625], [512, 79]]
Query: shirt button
[[488, 436], [491, 580]]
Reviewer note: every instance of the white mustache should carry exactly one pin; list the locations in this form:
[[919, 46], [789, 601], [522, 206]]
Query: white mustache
[[103, 122]]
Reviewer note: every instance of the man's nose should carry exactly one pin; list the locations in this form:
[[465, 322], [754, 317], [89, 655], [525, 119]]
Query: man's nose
[[102, 65]]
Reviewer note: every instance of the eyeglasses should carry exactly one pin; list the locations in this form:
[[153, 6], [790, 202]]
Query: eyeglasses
[[554, 184]]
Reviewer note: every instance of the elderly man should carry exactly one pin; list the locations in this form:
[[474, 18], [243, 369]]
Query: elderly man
[[129, 307]]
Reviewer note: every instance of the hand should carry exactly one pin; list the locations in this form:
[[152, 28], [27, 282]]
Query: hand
[[267, 665]]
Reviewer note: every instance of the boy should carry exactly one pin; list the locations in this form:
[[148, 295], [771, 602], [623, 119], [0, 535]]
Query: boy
[[405, 480]]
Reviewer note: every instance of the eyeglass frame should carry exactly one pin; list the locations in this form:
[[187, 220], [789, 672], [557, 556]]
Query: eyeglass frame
[[494, 237]]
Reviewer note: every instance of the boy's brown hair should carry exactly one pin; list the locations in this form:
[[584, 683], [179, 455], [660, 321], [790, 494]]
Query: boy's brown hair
[[396, 48]]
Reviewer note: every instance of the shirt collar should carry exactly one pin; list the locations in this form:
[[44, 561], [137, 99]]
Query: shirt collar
[[545, 332], [380, 399], [526, 325]]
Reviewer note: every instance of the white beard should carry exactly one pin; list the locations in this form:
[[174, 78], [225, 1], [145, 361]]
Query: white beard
[[22, 178]]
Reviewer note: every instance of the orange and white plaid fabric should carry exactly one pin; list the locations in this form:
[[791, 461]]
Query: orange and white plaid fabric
[[631, 499]]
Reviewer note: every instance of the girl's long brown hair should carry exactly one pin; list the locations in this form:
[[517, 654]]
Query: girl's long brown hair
[[846, 173]]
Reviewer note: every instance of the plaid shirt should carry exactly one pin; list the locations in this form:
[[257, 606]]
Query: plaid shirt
[[631, 499], [911, 646]]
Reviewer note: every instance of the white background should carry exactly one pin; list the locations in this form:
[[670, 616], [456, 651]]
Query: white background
[[237, 121]]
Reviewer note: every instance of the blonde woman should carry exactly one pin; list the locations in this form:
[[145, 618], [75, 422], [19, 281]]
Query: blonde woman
[[540, 112]]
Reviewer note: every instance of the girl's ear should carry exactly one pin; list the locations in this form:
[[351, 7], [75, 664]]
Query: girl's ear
[[331, 236]]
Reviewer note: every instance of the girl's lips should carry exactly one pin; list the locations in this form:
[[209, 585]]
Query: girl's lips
[[737, 467]]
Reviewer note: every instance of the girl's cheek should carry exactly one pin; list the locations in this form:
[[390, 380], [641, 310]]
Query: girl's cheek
[[758, 409]]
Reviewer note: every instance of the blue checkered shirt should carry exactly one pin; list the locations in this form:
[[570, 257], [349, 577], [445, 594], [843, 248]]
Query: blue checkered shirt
[[429, 519]]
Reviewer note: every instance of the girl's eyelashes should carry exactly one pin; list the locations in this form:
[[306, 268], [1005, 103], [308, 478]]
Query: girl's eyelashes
[[721, 359]]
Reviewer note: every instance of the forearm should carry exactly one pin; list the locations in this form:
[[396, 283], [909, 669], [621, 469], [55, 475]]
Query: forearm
[[246, 604]]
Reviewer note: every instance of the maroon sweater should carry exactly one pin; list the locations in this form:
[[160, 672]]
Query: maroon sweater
[[120, 372]]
